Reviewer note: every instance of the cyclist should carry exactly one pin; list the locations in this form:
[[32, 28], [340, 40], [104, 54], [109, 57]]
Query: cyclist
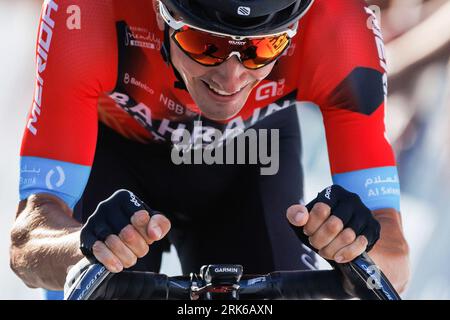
[[115, 79]]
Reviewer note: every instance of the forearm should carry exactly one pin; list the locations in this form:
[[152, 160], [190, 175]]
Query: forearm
[[391, 252], [44, 242]]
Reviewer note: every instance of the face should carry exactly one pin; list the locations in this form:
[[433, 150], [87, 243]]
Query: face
[[220, 91]]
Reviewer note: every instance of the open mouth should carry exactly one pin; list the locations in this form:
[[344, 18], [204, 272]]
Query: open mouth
[[222, 93]]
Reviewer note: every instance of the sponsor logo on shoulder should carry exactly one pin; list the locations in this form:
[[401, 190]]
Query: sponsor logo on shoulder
[[142, 38], [137, 83], [270, 90], [374, 25], [43, 49]]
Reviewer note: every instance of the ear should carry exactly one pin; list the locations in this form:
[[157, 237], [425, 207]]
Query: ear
[[159, 19]]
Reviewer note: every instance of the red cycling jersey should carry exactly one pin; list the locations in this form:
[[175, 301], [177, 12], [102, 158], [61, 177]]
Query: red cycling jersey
[[107, 66]]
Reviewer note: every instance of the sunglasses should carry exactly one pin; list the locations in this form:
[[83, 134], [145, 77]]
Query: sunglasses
[[211, 48]]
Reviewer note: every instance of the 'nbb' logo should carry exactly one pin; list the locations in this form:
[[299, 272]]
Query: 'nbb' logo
[[270, 90]]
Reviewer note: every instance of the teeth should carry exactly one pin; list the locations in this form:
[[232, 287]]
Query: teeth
[[223, 93]]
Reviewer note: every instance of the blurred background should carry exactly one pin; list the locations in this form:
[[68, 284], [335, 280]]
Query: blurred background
[[417, 36]]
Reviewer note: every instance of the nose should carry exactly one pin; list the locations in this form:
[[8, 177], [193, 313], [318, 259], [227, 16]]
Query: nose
[[231, 75]]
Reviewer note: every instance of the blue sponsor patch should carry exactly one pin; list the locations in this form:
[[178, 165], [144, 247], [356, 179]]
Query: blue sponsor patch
[[379, 188], [62, 179]]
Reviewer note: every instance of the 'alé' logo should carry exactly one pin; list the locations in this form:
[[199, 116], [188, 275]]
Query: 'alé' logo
[[270, 90]]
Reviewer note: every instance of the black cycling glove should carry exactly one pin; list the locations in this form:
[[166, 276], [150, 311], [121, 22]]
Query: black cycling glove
[[110, 217], [348, 207]]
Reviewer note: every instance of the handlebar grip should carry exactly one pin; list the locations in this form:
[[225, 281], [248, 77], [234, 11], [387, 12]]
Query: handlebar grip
[[358, 274], [309, 285], [134, 285]]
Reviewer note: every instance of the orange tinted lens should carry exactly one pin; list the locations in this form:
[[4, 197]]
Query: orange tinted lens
[[211, 50], [265, 51], [204, 48]]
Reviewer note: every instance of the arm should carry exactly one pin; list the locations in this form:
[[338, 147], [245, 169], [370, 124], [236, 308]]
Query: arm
[[73, 67], [44, 242], [391, 252], [346, 78]]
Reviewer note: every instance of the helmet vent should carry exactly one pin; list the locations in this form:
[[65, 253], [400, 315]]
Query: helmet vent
[[286, 14]]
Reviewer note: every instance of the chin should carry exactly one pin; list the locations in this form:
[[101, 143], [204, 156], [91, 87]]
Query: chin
[[220, 112]]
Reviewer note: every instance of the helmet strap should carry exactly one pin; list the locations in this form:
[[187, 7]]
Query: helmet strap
[[165, 52]]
